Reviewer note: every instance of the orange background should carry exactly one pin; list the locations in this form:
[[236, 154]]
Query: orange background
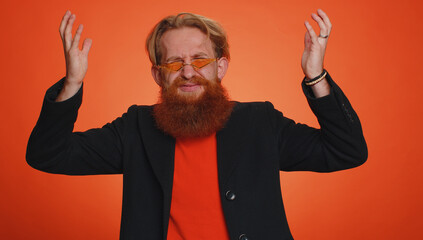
[[374, 54]]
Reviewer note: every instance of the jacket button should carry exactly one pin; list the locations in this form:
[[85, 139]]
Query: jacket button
[[243, 237], [230, 195]]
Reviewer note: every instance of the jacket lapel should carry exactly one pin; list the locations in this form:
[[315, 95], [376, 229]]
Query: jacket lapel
[[230, 141], [160, 149]]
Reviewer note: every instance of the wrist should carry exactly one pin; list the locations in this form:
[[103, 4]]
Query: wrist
[[317, 79], [321, 88], [68, 90], [72, 81]]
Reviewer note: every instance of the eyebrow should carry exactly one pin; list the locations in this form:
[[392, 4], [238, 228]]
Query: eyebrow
[[200, 54]]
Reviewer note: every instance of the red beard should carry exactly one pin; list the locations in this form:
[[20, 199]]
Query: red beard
[[191, 116]]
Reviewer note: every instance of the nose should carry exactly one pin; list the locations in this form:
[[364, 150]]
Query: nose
[[187, 71]]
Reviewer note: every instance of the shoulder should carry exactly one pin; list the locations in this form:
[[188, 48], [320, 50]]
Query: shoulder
[[135, 113], [140, 108], [253, 112], [261, 114], [143, 113], [252, 106]]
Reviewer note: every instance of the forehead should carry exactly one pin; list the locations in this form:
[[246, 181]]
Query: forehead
[[185, 42]]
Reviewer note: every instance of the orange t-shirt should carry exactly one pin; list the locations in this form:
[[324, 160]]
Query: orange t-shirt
[[196, 211]]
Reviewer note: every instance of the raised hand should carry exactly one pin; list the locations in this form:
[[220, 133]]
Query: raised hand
[[315, 45], [76, 59]]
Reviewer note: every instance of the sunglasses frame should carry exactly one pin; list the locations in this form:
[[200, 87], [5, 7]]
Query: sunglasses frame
[[166, 65]]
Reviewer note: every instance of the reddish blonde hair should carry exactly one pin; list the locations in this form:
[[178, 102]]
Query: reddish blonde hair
[[211, 28]]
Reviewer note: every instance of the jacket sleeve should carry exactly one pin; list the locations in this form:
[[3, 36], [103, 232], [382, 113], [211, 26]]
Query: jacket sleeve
[[53, 146], [338, 144]]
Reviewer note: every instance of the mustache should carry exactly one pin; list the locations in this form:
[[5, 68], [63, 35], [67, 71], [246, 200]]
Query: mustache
[[179, 81]]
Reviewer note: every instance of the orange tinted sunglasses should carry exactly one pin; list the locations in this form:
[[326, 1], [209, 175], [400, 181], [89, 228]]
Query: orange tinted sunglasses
[[196, 63]]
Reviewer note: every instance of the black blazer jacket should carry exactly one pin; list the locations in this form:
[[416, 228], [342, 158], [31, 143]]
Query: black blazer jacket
[[255, 144]]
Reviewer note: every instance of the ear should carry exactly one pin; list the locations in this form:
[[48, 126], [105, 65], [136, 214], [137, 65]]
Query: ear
[[222, 67], [157, 75]]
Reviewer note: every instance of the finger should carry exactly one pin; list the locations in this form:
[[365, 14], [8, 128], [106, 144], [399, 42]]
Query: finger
[[322, 26], [68, 32], [86, 46], [326, 20], [310, 31], [307, 40], [75, 42], [63, 24]]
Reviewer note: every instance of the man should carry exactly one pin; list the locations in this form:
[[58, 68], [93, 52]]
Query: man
[[196, 165]]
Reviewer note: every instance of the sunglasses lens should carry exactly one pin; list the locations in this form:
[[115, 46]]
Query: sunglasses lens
[[199, 63], [174, 66]]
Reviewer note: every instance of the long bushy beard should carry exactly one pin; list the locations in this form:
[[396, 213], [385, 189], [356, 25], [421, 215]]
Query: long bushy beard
[[189, 116]]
